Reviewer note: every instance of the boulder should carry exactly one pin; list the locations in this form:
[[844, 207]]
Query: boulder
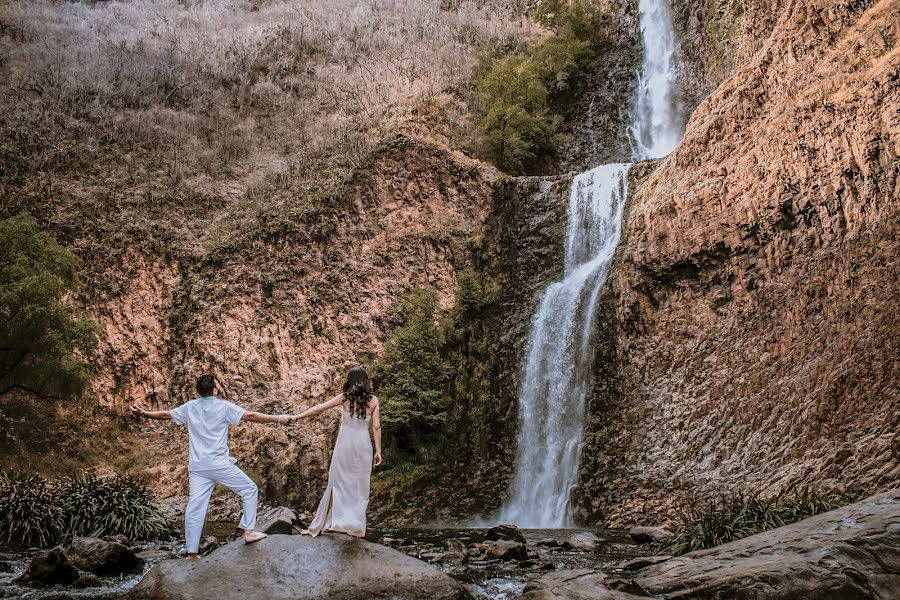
[[852, 552], [455, 545], [119, 539], [277, 520], [575, 584], [549, 543], [103, 558], [506, 550], [453, 558], [208, 544], [88, 580], [585, 542], [289, 567], [50, 568], [504, 532], [649, 535]]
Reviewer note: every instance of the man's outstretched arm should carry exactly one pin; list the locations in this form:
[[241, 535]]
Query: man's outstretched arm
[[258, 417], [161, 415]]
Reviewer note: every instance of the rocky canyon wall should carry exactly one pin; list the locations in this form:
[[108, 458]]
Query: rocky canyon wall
[[752, 316]]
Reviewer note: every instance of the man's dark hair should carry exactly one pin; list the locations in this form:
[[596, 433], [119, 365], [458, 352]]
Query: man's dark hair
[[206, 383]]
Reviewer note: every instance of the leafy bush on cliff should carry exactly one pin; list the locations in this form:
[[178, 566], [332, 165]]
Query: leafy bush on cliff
[[38, 513], [731, 518], [521, 94], [29, 513], [43, 339], [411, 376]]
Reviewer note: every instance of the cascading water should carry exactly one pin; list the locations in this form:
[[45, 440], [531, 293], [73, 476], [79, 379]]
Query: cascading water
[[557, 374], [657, 124]]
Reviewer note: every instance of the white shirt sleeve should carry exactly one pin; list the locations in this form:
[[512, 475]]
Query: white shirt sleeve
[[179, 414], [233, 413]]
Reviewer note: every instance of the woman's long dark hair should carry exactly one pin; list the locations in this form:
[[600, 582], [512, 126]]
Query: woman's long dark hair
[[358, 391]]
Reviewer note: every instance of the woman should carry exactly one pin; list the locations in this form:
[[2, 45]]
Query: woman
[[343, 506]]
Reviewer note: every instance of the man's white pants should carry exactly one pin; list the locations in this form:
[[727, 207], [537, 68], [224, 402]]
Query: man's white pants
[[202, 484]]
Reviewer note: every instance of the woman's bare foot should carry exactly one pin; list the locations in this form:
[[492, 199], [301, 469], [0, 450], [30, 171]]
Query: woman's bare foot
[[190, 557], [305, 532], [251, 536]]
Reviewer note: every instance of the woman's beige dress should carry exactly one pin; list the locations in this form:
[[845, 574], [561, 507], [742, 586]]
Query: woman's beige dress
[[343, 506]]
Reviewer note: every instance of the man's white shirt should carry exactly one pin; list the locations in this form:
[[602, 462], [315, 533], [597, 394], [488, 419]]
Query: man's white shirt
[[207, 420]]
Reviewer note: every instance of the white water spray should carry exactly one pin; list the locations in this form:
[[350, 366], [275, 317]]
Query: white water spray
[[557, 374]]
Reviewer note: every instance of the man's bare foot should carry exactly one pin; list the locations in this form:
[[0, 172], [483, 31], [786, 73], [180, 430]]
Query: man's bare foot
[[251, 536], [190, 557]]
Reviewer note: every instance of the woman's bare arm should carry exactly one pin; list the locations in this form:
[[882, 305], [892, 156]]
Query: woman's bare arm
[[376, 431], [320, 408]]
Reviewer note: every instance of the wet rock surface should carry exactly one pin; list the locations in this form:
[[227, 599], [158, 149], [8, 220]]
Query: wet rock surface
[[101, 557], [51, 567]]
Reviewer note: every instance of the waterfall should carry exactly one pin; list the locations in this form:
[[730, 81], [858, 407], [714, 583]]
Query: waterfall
[[657, 124], [557, 373]]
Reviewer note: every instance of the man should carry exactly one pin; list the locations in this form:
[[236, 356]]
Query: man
[[207, 419]]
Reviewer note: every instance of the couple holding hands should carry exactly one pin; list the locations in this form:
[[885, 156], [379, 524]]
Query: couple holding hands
[[343, 505]]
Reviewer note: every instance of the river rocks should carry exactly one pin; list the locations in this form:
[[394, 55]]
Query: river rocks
[[208, 543], [285, 567], [277, 520], [102, 557], [649, 535], [87, 580], [453, 558], [574, 584], [505, 532], [852, 552], [506, 550], [548, 543], [52, 567], [583, 542]]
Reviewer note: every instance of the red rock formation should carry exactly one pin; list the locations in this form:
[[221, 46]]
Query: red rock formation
[[755, 292]]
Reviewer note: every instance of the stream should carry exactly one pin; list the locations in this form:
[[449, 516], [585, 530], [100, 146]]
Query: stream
[[493, 579]]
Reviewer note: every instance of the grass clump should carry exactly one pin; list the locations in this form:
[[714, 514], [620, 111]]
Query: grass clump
[[38, 513], [102, 506], [29, 513], [730, 518]]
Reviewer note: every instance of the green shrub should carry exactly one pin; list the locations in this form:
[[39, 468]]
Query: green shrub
[[411, 377], [521, 94], [515, 119], [42, 338], [730, 518], [35, 513], [102, 506], [29, 514]]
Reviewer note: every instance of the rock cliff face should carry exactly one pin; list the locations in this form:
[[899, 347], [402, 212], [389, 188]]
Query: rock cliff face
[[280, 318], [752, 306]]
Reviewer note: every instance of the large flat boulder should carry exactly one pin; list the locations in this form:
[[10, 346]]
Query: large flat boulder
[[849, 553], [293, 567]]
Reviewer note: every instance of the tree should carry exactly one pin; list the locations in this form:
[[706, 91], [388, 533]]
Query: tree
[[515, 119], [412, 374], [43, 339]]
